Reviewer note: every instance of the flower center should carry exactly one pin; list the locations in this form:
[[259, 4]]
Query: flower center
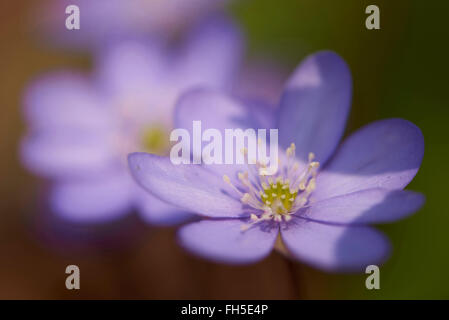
[[139, 131], [154, 140], [279, 196]]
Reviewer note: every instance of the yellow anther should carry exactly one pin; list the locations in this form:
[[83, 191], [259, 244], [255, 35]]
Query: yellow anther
[[245, 198], [314, 164], [311, 156]]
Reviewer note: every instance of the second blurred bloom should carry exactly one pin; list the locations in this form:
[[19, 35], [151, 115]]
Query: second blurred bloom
[[81, 127]]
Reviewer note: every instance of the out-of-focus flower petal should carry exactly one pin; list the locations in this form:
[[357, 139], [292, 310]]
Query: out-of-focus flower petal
[[192, 188], [335, 248], [261, 80], [135, 77], [218, 111], [132, 67], [315, 105], [104, 21], [65, 100], [93, 200], [384, 154], [157, 212], [212, 55], [367, 206], [224, 241], [68, 154]]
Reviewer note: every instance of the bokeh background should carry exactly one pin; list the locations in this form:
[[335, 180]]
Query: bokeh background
[[398, 71]]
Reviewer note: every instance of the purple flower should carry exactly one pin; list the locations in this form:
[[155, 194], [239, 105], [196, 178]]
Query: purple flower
[[81, 128], [324, 196], [108, 20]]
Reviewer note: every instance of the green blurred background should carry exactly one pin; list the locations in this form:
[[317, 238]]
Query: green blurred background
[[400, 70]]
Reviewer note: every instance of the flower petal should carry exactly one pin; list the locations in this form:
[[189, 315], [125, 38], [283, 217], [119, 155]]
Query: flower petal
[[335, 248], [224, 241], [65, 100], [103, 21], [212, 55], [131, 67], [93, 200], [192, 188], [217, 111], [261, 79], [136, 77], [157, 212], [366, 206], [56, 153], [385, 154], [315, 105]]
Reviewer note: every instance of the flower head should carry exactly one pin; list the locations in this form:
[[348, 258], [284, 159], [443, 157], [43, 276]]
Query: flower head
[[81, 128], [323, 196]]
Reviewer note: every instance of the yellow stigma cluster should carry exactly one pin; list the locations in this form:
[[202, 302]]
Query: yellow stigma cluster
[[278, 196], [154, 140]]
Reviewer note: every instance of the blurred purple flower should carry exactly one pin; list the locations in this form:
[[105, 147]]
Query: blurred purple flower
[[82, 127], [320, 216], [104, 21]]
